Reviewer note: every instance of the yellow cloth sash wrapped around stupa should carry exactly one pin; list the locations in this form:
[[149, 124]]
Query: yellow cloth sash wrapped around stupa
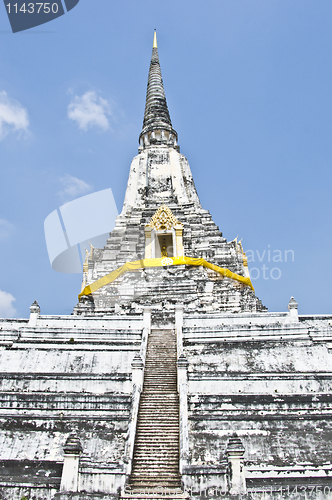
[[161, 262]]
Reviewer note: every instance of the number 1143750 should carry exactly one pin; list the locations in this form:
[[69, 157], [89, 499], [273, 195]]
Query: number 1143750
[[33, 8]]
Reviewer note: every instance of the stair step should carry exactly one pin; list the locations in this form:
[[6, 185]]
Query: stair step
[[158, 363], [142, 460], [159, 386], [154, 430], [162, 451], [172, 455], [140, 446], [149, 485], [154, 415], [166, 427], [164, 385], [164, 442], [165, 402], [158, 419], [156, 472], [159, 457], [161, 376], [157, 411], [146, 401], [158, 404], [161, 475], [171, 434], [173, 429], [156, 479], [160, 370], [141, 438], [144, 464], [153, 374], [156, 467], [141, 443]]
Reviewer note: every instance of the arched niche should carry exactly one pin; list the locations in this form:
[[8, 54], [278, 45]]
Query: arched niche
[[163, 235]]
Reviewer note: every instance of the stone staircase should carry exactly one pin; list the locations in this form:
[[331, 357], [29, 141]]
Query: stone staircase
[[156, 451]]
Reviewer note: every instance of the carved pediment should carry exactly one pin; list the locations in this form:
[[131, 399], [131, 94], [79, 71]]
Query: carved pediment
[[164, 219]]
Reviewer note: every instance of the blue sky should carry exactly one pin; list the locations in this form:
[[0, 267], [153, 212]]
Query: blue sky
[[249, 89]]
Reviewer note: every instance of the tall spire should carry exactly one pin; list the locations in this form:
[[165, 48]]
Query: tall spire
[[157, 125]]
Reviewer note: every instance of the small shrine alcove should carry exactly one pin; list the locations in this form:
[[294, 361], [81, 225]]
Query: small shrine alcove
[[163, 235]]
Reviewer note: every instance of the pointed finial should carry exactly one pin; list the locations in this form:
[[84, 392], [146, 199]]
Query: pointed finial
[[157, 126]]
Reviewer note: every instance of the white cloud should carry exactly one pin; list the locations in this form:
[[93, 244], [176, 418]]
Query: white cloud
[[73, 187], [90, 110], [5, 229], [7, 310], [13, 117]]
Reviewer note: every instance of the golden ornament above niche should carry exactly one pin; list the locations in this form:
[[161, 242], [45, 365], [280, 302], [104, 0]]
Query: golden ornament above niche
[[163, 219]]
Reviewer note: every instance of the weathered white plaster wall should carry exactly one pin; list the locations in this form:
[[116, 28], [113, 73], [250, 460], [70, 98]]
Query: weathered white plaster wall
[[67, 374], [269, 380]]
